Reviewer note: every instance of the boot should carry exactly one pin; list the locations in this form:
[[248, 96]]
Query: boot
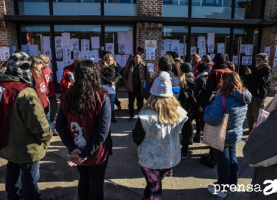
[[208, 161], [197, 138], [190, 141], [113, 118], [118, 104]]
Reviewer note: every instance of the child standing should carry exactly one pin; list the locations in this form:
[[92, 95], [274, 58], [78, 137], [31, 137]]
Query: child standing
[[157, 134]]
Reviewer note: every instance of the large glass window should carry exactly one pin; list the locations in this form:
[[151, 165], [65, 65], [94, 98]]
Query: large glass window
[[175, 38], [76, 41], [212, 9], [210, 40], [120, 7], [245, 47], [248, 9], [77, 7], [175, 8], [33, 7]]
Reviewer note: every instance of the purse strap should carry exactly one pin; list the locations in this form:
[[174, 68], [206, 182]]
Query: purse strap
[[223, 102]]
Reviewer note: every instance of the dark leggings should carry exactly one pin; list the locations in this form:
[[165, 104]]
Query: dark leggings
[[187, 131]]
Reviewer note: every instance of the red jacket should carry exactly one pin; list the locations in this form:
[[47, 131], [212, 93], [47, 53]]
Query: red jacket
[[51, 87], [218, 73], [65, 82], [40, 87], [195, 68]]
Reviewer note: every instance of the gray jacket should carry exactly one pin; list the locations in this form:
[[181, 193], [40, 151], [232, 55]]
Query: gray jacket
[[160, 148], [261, 148]]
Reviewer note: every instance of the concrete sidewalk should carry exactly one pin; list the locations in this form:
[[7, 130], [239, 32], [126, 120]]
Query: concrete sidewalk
[[124, 179]]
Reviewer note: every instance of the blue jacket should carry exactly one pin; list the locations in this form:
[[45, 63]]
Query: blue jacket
[[236, 108]]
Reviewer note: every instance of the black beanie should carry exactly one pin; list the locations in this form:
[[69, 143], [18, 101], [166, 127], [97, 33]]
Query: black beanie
[[140, 49], [203, 67], [174, 55], [186, 67], [220, 58]]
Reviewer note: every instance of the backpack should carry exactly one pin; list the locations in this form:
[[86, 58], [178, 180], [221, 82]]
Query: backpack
[[188, 101]]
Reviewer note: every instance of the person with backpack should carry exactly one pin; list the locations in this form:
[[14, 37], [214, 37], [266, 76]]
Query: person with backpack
[[233, 100], [157, 135], [190, 79], [200, 88], [134, 76], [188, 103], [84, 122]]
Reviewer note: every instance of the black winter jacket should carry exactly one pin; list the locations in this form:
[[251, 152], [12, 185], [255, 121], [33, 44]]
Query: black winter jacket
[[188, 101], [200, 89], [109, 75], [258, 81]]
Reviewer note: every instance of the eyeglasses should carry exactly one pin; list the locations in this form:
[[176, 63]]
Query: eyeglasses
[[259, 60]]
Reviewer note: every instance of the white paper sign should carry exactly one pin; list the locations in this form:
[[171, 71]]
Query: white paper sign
[[151, 43], [47, 52], [117, 58], [46, 42], [150, 67], [235, 59], [201, 42], [175, 45], [59, 76], [109, 47], [95, 44], [121, 49], [267, 51], [163, 52], [221, 48], [66, 39], [59, 53], [167, 45], [121, 37], [66, 52], [76, 54], [275, 62], [210, 48], [93, 54], [58, 42], [211, 38], [74, 44], [244, 60], [5, 53], [243, 48], [181, 49], [249, 49], [202, 52], [128, 48], [14, 48], [84, 45], [128, 36], [84, 55], [249, 60], [32, 50], [150, 53], [124, 60], [193, 50], [60, 65]]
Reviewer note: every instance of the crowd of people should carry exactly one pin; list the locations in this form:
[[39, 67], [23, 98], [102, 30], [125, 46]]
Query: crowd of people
[[202, 90]]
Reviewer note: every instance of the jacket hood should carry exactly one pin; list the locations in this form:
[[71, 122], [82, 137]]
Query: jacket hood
[[7, 77], [221, 66], [247, 96]]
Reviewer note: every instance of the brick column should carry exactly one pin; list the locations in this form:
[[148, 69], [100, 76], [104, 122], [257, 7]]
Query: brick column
[[150, 31], [269, 38], [8, 34]]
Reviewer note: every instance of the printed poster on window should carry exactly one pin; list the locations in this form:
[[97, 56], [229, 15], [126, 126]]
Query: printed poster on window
[[235, 60], [66, 52], [193, 50], [150, 53], [202, 52], [150, 67], [84, 45], [109, 47], [5, 53], [221, 48], [210, 48], [58, 42], [201, 42], [267, 51], [74, 44]]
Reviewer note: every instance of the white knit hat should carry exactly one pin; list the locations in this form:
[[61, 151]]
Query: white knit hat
[[162, 86]]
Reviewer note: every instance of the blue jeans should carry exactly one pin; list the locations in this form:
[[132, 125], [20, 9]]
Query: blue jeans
[[112, 99], [21, 180], [47, 113], [227, 165]]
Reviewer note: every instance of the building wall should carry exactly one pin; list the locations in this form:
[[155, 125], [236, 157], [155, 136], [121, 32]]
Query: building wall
[[270, 11], [8, 34], [150, 7]]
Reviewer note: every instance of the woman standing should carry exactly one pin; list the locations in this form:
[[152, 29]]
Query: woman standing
[[195, 61], [83, 122], [234, 102], [134, 76], [157, 134], [51, 87], [110, 77], [37, 81]]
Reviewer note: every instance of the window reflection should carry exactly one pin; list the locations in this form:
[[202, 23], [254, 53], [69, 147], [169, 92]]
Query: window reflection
[[212, 9], [76, 7], [115, 7], [33, 7], [248, 9], [175, 8]]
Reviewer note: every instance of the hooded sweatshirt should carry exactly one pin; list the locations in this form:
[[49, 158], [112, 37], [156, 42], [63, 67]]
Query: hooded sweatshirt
[[236, 107]]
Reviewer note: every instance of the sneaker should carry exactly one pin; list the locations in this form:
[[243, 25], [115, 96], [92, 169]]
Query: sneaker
[[170, 174], [130, 119], [218, 193], [190, 141], [197, 138]]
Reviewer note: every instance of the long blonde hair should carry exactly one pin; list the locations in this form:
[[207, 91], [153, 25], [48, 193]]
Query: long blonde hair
[[166, 107], [183, 80], [45, 59], [108, 56], [35, 70]]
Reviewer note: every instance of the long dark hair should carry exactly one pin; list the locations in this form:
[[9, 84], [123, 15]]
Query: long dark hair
[[81, 96]]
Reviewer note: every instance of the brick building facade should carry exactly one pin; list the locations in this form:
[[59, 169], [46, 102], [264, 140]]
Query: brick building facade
[[151, 23]]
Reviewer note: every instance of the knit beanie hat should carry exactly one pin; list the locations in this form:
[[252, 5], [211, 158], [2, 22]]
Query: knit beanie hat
[[19, 64], [220, 58], [186, 67], [203, 67], [162, 86]]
